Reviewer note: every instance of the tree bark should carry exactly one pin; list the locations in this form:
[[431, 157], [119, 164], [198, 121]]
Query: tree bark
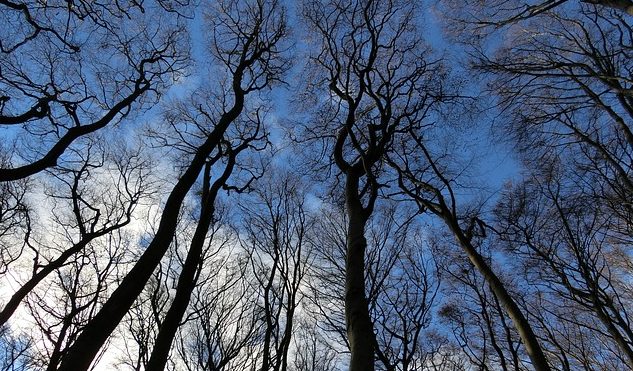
[[186, 284], [530, 341], [360, 329]]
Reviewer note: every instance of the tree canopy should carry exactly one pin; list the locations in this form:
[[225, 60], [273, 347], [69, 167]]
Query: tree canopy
[[316, 185]]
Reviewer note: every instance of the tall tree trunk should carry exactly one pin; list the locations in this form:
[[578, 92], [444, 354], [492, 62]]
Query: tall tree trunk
[[530, 341], [186, 284], [360, 329]]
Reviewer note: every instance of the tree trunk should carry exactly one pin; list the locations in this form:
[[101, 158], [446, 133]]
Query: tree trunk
[[186, 284], [360, 331], [187, 280], [531, 343]]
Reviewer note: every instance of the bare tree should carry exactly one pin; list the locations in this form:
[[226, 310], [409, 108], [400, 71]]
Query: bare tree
[[568, 247], [405, 302], [144, 318], [565, 94], [234, 266], [476, 318], [66, 304], [311, 353], [373, 65], [15, 219], [91, 213], [402, 286], [71, 267], [492, 15], [249, 49], [223, 322], [562, 79], [228, 151], [277, 230], [431, 186], [71, 69]]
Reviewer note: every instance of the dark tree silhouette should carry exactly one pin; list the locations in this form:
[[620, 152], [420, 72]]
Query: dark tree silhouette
[[563, 84], [371, 64], [430, 185], [90, 217], [248, 48], [569, 249], [277, 241], [174, 195], [228, 151], [71, 69]]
